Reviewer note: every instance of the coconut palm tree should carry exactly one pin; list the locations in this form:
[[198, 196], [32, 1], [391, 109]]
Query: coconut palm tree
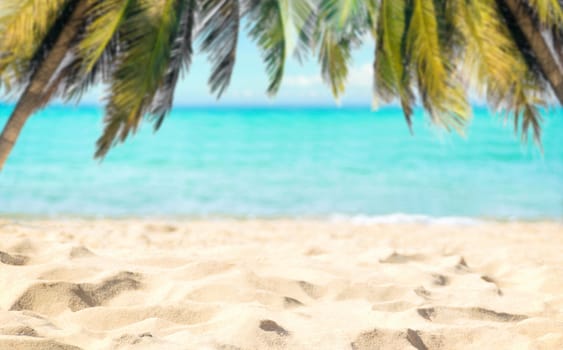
[[430, 51]]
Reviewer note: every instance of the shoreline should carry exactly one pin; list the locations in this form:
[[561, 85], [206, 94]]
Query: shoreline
[[360, 219]]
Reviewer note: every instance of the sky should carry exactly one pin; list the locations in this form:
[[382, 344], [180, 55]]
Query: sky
[[302, 84]]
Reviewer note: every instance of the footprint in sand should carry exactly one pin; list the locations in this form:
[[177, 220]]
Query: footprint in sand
[[227, 347], [493, 281], [80, 252], [131, 339], [19, 330], [462, 266], [414, 339], [55, 297], [291, 302], [34, 343], [311, 290], [396, 258], [16, 260], [444, 314], [440, 280], [271, 326], [423, 293], [380, 339]]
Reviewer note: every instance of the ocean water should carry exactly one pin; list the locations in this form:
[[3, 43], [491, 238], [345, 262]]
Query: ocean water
[[283, 162]]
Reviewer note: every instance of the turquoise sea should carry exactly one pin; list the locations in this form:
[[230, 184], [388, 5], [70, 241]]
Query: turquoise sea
[[283, 162]]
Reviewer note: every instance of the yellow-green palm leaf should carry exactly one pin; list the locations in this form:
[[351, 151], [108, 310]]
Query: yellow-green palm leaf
[[440, 90], [391, 78], [146, 33], [24, 26], [549, 12]]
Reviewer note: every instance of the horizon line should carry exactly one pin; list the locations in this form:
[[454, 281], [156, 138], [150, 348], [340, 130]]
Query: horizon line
[[250, 106]]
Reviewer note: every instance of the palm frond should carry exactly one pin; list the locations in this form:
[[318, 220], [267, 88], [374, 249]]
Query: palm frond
[[146, 35], [276, 26], [219, 31], [24, 23], [391, 79], [530, 88], [94, 53], [76, 81], [341, 27], [341, 12], [305, 45], [180, 61], [438, 83], [494, 65], [107, 16], [548, 12], [335, 57], [373, 7], [28, 30], [527, 109]]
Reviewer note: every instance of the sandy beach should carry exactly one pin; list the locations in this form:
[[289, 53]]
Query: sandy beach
[[275, 284]]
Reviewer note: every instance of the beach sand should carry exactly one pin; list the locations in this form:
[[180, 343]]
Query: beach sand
[[280, 284]]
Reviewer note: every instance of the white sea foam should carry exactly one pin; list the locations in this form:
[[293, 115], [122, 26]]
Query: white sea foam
[[401, 218]]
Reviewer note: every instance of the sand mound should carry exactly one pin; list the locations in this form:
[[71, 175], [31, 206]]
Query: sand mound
[[246, 285]]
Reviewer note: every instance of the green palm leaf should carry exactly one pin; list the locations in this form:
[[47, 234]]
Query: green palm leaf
[[335, 55], [549, 12], [341, 27], [391, 80], [146, 34], [440, 90], [341, 12], [25, 26], [24, 23], [108, 17], [495, 66], [276, 26]]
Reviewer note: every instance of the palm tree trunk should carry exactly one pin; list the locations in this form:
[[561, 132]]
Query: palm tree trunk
[[537, 43], [32, 97]]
